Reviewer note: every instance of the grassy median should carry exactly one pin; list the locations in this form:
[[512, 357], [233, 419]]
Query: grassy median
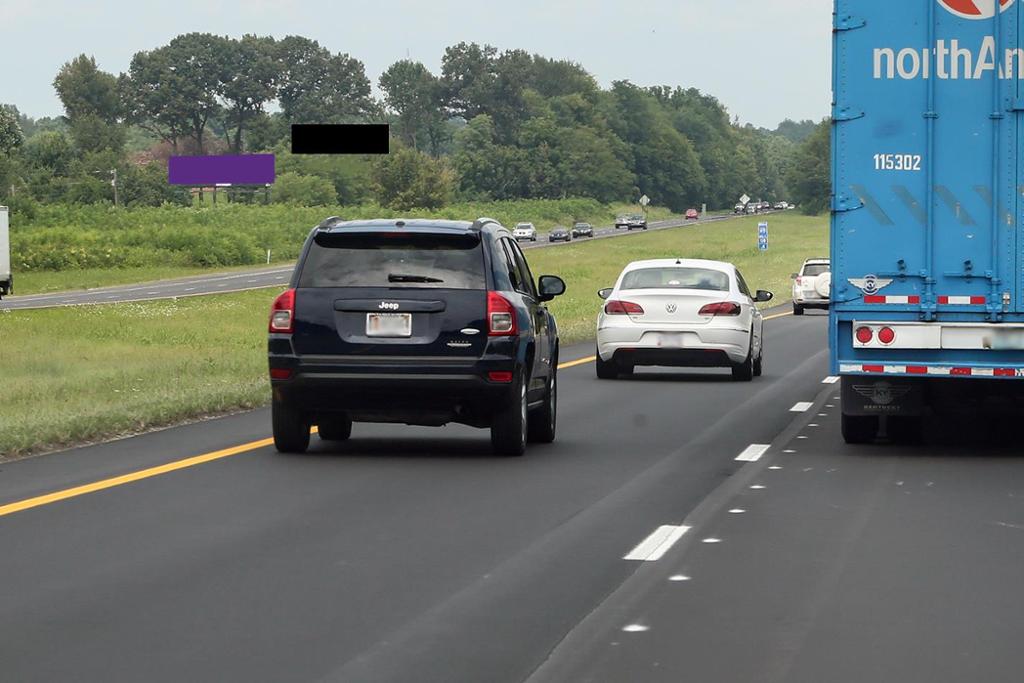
[[92, 372]]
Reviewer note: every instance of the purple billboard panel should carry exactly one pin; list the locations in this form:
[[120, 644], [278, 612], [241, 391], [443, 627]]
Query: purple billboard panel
[[245, 169]]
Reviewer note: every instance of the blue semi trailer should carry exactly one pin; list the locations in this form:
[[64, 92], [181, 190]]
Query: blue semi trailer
[[927, 307]]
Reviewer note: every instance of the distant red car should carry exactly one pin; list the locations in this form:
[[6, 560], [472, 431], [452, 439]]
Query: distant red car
[[691, 214]]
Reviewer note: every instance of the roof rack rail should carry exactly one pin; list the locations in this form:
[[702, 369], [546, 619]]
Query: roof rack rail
[[479, 223], [330, 222]]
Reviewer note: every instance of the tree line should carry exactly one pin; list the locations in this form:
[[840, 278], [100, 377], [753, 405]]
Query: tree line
[[492, 125]]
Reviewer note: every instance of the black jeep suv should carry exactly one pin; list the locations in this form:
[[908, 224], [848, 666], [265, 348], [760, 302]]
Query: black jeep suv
[[421, 322]]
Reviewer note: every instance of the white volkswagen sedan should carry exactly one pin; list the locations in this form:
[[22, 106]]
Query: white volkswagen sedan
[[680, 312]]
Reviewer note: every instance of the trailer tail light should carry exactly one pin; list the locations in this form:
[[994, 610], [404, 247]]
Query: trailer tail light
[[501, 316], [865, 335], [623, 308], [500, 377], [720, 308], [886, 335], [280, 373], [282, 313]]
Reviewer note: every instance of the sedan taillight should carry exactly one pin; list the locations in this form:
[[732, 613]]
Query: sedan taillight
[[282, 313], [720, 308], [617, 307]]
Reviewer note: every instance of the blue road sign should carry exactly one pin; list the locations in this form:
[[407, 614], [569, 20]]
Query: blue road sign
[[762, 236]]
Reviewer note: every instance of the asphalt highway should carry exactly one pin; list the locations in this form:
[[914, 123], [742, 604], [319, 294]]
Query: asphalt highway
[[682, 527], [257, 278]]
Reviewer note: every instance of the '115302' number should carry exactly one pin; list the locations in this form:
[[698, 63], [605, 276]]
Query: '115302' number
[[897, 162]]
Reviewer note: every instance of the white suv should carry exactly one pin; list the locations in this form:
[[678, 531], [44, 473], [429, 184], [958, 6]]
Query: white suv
[[812, 285], [525, 231]]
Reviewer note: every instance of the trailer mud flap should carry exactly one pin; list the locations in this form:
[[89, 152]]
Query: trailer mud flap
[[862, 395]]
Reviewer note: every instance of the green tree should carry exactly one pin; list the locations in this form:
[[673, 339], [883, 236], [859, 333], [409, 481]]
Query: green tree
[[318, 87], [408, 179], [11, 136], [487, 170], [247, 82], [467, 78], [810, 173], [172, 91], [414, 94]]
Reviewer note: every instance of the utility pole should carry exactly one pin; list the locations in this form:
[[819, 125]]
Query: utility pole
[[114, 183]]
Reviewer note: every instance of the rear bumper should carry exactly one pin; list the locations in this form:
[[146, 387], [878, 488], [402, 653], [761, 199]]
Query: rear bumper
[[395, 390], [697, 347]]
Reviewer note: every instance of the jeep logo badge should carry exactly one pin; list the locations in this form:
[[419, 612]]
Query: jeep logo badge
[[388, 305]]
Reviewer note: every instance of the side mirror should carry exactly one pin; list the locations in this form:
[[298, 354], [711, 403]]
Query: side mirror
[[794, 276], [763, 296], [550, 287], [606, 292]]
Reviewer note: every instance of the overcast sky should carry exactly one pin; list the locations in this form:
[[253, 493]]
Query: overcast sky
[[766, 60]]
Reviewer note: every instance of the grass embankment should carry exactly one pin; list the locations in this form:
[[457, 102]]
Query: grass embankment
[[89, 372], [65, 248]]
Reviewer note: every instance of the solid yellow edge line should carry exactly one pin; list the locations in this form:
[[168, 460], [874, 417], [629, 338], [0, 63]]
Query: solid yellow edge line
[[56, 496], [578, 361], [778, 315]]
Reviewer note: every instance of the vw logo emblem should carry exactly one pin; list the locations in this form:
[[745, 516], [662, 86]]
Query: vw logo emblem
[[671, 308]]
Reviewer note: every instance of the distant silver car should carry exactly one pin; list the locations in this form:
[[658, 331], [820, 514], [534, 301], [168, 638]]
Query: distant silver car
[[812, 286], [680, 312], [525, 231]]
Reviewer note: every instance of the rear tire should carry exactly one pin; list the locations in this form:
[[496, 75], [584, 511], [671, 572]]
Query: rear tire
[[335, 428], [858, 429], [543, 421], [744, 372], [509, 429], [759, 362], [798, 309], [291, 428], [606, 369]]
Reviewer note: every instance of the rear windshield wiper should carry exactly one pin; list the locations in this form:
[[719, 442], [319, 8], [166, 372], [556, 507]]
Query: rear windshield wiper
[[401, 277]]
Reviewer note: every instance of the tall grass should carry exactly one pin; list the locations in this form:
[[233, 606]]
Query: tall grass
[[63, 237]]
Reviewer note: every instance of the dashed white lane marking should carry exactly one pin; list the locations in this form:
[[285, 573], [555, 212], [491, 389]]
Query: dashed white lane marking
[[775, 467], [831, 379], [758, 487], [712, 540], [753, 452], [635, 628], [189, 289], [789, 450], [737, 511], [252, 280], [812, 424], [801, 437], [679, 577], [153, 292], [657, 544], [801, 407], [822, 414]]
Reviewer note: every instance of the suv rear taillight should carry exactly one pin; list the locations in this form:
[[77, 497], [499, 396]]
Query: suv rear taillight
[[501, 316], [617, 307], [282, 313], [720, 308]]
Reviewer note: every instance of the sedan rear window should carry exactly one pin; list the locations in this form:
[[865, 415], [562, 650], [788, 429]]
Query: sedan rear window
[[676, 278], [394, 260]]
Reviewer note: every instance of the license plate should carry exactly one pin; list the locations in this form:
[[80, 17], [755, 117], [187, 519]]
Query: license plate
[[670, 340], [388, 324]]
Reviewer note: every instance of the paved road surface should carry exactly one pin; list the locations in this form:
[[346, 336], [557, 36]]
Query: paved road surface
[[413, 554], [221, 283]]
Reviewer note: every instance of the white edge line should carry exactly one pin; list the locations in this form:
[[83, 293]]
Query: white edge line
[[657, 544], [753, 452]]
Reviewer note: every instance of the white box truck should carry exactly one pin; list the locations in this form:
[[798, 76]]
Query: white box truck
[[6, 279]]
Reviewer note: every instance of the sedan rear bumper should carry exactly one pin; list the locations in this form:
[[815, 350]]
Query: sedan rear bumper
[[697, 344]]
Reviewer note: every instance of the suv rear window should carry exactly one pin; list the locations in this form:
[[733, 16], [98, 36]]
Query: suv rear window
[[676, 278], [439, 261], [812, 269]]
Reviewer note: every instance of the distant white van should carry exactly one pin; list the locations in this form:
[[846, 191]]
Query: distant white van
[[6, 278]]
